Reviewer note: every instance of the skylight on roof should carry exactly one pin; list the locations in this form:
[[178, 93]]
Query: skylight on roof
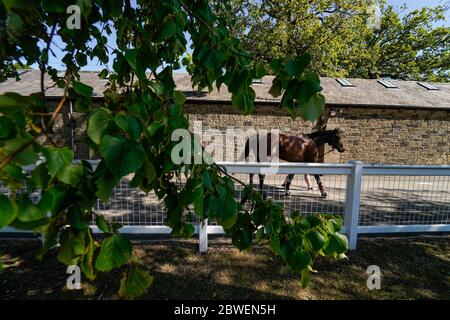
[[427, 85], [387, 84], [345, 82], [257, 81]]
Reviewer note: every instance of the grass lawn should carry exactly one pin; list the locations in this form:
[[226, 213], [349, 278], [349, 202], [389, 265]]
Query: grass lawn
[[412, 268]]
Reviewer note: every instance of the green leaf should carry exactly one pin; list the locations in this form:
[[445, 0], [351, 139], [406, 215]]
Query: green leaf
[[317, 240], [135, 282], [192, 192], [38, 225], [305, 278], [228, 223], [59, 164], [260, 70], [223, 209], [79, 244], [138, 109], [131, 57], [97, 124], [179, 97], [81, 105], [8, 211], [6, 127], [14, 172], [87, 260], [66, 253], [103, 225], [305, 90], [121, 156], [153, 128], [335, 225], [129, 124], [103, 74], [296, 67], [276, 64], [274, 244], [314, 108], [105, 184], [21, 4], [242, 238], [77, 218], [298, 259], [313, 221], [27, 211], [71, 174], [82, 89], [337, 243], [114, 252], [26, 157], [10, 105], [168, 30], [276, 88], [15, 25], [13, 145], [150, 171], [207, 179], [244, 100], [57, 159], [52, 200]]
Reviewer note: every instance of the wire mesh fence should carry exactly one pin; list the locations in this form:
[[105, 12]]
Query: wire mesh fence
[[132, 207], [404, 200], [385, 199]]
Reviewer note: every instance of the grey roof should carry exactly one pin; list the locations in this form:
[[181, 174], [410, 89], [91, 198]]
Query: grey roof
[[366, 92]]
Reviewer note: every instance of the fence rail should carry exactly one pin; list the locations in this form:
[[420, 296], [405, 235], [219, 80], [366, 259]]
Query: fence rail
[[372, 198]]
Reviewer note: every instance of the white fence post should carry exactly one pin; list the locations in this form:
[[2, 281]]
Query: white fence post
[[352, 203], [203, 236]]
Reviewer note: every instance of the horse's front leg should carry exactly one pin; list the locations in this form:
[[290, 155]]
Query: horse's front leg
[[261, 185], [287, 183], [320, 185], [250, 176]]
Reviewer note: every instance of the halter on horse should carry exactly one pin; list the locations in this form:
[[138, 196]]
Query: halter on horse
[[303, 148]]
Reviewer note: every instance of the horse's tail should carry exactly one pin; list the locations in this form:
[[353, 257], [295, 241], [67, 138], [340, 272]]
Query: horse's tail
[[246, 153]]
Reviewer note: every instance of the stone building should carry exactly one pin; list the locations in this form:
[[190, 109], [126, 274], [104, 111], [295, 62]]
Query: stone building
[[404, 122]]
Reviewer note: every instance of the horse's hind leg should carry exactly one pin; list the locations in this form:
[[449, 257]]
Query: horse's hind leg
[[320, 185], [308, 183], [287, 183]]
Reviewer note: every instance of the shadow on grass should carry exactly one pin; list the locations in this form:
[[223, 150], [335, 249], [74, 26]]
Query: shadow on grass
[[412, 268]]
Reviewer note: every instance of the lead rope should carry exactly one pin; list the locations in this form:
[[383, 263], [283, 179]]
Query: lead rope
[[323, 155]]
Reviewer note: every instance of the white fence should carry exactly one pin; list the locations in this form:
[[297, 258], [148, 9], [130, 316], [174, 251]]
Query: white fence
[[371, 198]]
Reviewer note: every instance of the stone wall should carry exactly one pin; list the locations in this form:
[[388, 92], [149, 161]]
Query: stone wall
[[371, 135], [403, 136]]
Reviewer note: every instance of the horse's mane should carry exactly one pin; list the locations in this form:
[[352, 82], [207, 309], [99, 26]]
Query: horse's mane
[[316, 134]]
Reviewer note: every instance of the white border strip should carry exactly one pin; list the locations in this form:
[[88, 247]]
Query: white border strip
[[404, 228]]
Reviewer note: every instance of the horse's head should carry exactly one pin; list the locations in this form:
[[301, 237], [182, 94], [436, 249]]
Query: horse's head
[[334, 140]]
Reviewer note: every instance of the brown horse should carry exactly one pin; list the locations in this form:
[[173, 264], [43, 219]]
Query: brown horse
[[303, 148]]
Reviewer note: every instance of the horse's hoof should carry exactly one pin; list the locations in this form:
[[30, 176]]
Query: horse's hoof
[[287, 193], [310, 188], [324, 195]]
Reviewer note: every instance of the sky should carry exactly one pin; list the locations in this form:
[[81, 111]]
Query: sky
[[55, 61], [416, 4]]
